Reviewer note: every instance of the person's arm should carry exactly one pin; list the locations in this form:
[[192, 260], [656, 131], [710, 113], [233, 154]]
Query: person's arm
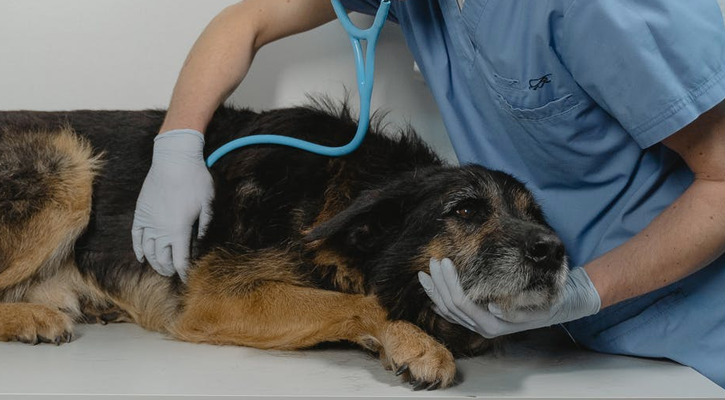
[[223, 53], [178, 189], [686, 236]]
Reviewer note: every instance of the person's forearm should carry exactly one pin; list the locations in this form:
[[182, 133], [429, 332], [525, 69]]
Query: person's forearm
[[221, 57], [685, 237], [216, 64]]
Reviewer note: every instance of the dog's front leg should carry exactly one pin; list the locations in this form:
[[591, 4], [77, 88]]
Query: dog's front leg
[[286, 317]]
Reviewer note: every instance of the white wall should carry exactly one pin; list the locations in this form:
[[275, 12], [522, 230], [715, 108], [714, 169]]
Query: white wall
[[126, 54]]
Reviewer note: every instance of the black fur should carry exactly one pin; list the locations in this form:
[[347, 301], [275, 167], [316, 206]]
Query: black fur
[[394, 203]]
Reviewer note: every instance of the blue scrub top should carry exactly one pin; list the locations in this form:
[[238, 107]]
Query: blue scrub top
[[573, 97]]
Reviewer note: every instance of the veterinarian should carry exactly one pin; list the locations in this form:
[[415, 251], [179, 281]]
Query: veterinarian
[[610, 111]]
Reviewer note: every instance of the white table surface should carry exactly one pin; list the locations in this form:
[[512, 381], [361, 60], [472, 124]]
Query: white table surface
[[122, 361]]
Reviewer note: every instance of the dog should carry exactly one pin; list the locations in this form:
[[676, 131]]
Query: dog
[[302, 249]]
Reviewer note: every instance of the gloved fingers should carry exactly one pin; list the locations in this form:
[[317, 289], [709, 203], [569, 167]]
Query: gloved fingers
[[180, 254], [149, 250], [519, 316], [431, 291], [137, 239], [486, 324], [581, 290], [450, 317], [204, 218], [438, 305], [448, 276], [162, 254], [447, 292]]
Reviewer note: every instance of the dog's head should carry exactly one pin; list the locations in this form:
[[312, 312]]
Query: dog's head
[[485, 221], [495, 233]]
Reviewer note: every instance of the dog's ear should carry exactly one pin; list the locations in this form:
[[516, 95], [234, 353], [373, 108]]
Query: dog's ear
[[366, 223]]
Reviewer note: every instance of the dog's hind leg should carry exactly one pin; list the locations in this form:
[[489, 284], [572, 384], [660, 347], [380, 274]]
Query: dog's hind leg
[[278, 315], [45, 204], [45, 200]]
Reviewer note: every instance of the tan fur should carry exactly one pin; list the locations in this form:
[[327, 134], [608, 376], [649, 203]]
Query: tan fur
[[223, 272], [33, 323], [259, 299], [287, 317], [47, 238], [41, 247], [466, 245], [405, 344], [522, 200], [62, 290], [149, 302], [337, 195], [267, 307], [347, 279]]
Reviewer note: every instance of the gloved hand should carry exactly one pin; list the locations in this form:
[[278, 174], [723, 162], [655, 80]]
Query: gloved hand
[[578, 299], [177, 191]]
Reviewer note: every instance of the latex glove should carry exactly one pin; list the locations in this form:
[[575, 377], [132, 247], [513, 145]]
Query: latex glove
[[578, 299], [177, 191]]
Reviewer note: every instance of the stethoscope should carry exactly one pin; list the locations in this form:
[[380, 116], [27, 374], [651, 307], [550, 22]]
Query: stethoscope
[[364, 69]]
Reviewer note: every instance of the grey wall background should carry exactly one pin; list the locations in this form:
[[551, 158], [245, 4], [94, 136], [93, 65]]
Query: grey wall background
[[126, 54]]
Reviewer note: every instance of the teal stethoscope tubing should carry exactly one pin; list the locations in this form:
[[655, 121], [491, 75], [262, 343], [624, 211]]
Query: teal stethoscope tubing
[[365, 71]]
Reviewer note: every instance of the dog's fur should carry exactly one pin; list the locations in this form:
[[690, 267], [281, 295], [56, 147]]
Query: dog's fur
[[302, 249]]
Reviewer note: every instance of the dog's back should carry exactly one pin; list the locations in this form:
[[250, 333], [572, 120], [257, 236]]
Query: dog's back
[[125, 141], [266, 196]]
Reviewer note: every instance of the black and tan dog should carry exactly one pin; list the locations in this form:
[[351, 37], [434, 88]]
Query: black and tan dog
[[302, 249]]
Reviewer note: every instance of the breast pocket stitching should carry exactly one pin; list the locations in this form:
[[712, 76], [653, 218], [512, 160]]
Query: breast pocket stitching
[[553, 109]]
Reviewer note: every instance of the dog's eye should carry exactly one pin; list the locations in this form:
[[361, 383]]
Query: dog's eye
[[465, 212]]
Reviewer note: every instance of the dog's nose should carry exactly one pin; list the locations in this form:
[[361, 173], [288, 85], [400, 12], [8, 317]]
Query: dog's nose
[[545, 250]]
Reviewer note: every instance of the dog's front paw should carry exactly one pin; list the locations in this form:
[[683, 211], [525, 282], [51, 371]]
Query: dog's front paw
[[34, 323], [420, 359]]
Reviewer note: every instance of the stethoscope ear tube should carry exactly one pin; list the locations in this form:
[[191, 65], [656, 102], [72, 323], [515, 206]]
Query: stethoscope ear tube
[[365, 70]]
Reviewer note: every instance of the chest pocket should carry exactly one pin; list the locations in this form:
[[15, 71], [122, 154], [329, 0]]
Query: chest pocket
[[520, 103], [532, 105], [517, 63]]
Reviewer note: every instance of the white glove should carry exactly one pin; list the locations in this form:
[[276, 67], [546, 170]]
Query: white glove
[[177, 191], [578, 299]]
